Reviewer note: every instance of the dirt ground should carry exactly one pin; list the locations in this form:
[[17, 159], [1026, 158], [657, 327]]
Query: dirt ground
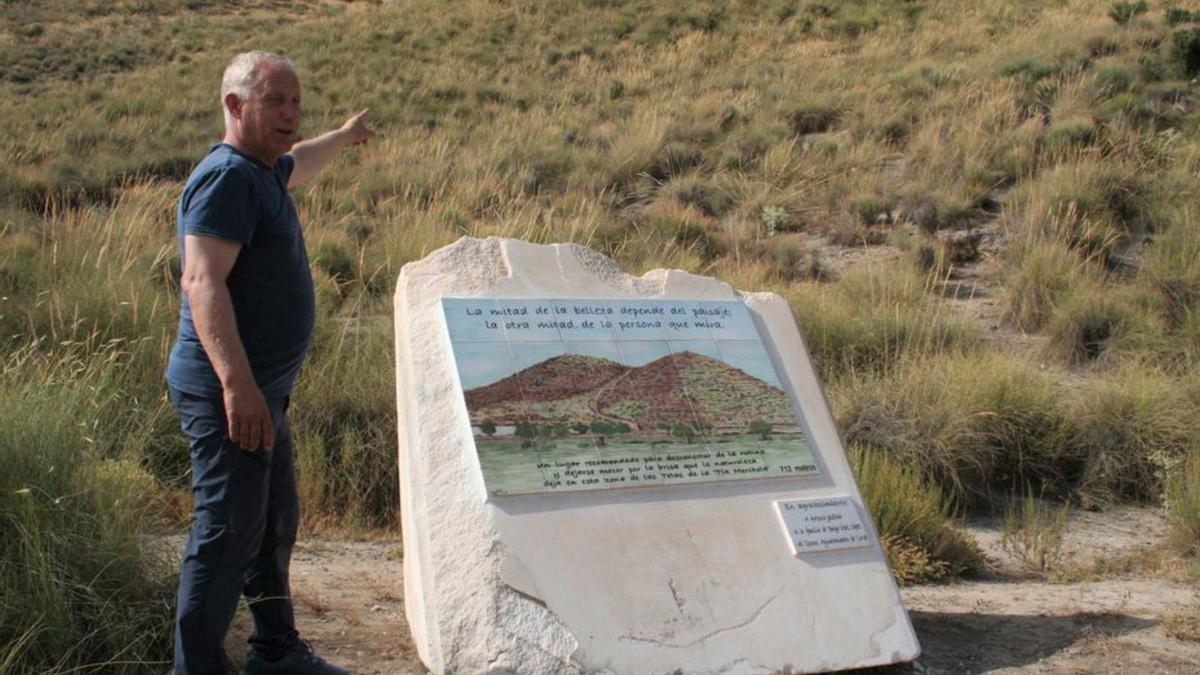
[[1115, 603]]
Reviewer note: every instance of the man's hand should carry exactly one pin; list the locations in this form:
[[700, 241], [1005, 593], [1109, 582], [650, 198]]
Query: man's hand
[[355, 129], [250, 423], [314, 155]]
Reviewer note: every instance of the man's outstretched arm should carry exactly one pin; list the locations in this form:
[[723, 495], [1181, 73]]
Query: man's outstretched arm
[[208, 261], [313, 155]]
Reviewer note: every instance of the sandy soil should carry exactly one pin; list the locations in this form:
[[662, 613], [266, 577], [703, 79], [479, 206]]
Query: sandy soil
[[1115, 602]]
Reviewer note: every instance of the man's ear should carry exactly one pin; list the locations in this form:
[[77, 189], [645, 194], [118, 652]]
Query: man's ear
[[234, 105]]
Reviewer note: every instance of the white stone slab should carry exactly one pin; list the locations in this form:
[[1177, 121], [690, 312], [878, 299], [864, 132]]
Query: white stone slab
[[825, 524], [689, 577]]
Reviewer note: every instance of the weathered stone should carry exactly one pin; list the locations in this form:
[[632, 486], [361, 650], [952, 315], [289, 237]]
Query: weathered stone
[[695, 577]]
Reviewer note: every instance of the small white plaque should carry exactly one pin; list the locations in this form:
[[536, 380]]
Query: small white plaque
[[825, 524]]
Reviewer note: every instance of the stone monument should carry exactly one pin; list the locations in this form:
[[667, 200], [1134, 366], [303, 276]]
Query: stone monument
[[602, 473]]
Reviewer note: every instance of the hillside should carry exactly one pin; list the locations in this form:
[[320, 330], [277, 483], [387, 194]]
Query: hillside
[[683, 388], [982, 215]]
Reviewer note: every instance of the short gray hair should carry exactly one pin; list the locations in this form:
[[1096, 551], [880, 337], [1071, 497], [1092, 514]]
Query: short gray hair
[[242, 74]]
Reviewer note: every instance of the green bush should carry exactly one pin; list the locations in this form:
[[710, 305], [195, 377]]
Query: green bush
[[1096, 323], [934, 211], [1028, 69], [707, 196], [1111, 79], [1069, 133], [1186, 50], [793, 261], [871, 209], [1123, 12], [1095, 207], [1172, 267], [1177, 15]]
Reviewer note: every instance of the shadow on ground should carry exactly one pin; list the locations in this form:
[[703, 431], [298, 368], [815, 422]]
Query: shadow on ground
[[957, 642]]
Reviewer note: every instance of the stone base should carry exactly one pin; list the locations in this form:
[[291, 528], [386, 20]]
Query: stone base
[[700, 578]]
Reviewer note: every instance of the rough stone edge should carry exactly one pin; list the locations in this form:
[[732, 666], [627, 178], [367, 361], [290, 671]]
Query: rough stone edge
[[573, 261]]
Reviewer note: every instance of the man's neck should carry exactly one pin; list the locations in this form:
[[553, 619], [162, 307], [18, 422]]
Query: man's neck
[[236, 144]]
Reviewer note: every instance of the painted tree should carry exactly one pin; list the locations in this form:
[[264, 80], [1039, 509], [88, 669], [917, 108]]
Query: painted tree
[[761, 428], [527, 432], [684, 431], [601, 428], [488, 427]]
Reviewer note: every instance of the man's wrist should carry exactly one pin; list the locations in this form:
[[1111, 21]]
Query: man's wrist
[[237, 383], [342, 138]]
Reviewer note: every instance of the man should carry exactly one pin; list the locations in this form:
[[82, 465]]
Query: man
[[245, 325]]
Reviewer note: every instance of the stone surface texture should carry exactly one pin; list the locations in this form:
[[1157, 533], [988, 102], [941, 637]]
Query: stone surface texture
[[691, 578]]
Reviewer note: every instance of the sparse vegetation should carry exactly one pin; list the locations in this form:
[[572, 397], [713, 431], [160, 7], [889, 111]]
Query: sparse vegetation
[[81, 591], [913, 520], [1183, 503], [752, 141], [1033, 533]]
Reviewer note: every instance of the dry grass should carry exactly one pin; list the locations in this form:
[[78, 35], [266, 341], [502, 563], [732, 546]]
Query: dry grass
[[711, 137]]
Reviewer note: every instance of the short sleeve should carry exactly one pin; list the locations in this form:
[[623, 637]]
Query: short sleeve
[[284, 166], [222, 205]]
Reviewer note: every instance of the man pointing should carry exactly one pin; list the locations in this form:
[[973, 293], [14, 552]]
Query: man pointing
[[245, 325]]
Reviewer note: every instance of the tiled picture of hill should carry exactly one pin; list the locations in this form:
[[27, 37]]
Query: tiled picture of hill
[[579, 395], [680, 388]]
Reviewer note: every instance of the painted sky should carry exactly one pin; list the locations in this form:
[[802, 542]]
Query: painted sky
[[493, 339]]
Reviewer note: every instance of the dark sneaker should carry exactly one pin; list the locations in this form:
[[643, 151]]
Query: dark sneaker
[[300, 661]]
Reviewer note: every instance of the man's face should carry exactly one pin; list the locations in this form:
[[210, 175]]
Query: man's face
[[269, 120]]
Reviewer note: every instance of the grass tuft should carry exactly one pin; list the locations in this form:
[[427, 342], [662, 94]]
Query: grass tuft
[[1127, 428], [1183, 504], [1033, 533], [80, 589], [913, 521]]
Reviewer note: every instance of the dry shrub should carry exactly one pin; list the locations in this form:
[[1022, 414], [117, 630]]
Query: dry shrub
[[1172, 267], [1093, 206], [1033, 533], [1183, 503], [1044, 274], [1097, 322], [792, 260], [976, 425], [913, 521], [1127, 427], [871, 320]]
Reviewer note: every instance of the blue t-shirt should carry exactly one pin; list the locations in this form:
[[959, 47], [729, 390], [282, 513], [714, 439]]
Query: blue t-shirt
[[234, 196]]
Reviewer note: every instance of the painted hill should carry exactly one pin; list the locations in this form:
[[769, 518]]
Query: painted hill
[[685, 386], [556, 378], [678, 388]]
